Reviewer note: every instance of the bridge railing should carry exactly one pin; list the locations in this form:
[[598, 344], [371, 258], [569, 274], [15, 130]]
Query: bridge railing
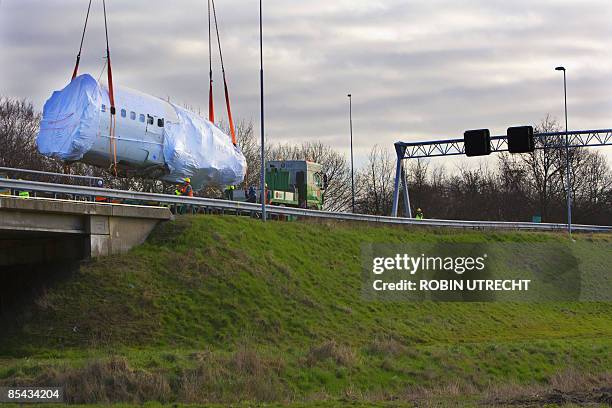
[[47, 176], [238, 207]]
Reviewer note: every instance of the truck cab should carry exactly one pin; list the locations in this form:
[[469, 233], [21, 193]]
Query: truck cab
[[296, 183]]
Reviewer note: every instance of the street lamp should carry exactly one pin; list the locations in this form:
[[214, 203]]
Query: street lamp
[[567, 159], [351, 128], [262, 180]]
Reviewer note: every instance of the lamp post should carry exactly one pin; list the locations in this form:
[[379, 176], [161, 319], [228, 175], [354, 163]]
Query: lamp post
[[351, 129], [262, 180], [567, 159]]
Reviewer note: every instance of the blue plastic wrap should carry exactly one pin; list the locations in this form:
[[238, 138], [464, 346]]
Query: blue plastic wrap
[[70, 120], [196, 148]]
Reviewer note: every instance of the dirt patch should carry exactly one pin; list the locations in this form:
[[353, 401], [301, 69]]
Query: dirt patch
[[569, 387], [593, 397]]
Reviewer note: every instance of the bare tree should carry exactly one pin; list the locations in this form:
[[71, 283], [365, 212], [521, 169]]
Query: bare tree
[[544, 168], [376, 181], [19, 123]]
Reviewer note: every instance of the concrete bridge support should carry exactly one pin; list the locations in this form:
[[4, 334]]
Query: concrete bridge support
[[37, 230]]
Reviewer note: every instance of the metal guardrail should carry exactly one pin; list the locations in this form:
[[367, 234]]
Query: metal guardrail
[[91, 180], [243, 207]]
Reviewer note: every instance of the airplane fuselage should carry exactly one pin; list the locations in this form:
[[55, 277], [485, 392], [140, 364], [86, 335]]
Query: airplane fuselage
[[139, 132], [147, 136]]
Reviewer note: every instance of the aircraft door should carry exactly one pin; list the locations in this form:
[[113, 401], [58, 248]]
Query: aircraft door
[[153, 138]]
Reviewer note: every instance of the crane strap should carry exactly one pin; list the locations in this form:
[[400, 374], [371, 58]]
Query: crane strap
[[227, 99], [78, 57], [211, 107], [111, 96]]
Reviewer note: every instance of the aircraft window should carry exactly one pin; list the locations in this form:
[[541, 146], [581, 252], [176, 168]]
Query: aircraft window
[[133, 115], [103, 108], [160, 122], [141, 118], [149, 119], [123, 113]]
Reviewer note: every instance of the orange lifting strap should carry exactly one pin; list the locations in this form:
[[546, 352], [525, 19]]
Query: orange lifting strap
[[227, 99], [111, 94], [78, 57]]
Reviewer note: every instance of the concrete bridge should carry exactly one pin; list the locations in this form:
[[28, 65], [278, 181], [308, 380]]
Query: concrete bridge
[[40, 230]]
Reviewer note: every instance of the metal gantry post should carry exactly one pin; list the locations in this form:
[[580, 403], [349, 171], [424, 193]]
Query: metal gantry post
[[262, 179], [568, 179], [567, 163], [352, 171], [400, 150]]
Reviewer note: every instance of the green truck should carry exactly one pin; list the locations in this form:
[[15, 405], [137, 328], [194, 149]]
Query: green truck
[[296, 183]]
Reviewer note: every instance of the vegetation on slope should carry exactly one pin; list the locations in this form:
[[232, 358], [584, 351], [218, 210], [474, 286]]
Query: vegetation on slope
[[222, 309]]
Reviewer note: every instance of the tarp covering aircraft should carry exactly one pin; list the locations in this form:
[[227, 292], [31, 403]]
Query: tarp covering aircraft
[[152, 137]]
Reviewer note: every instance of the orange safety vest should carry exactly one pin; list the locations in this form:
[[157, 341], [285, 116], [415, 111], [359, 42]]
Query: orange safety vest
[[187, 190]]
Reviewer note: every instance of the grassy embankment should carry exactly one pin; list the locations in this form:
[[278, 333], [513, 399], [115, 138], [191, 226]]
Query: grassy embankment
[[227, 309]]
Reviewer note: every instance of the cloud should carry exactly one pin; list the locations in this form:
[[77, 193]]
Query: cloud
[[417, 70]]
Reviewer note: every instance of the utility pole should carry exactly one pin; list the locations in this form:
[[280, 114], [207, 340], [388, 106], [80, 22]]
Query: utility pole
[[351, 129], [567, 158], [262, 180]]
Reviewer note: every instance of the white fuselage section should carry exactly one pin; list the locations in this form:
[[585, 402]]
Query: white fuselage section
[[139, 131], [147, 136]]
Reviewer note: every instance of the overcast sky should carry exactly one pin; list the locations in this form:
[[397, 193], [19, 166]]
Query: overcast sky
[[417, 70]]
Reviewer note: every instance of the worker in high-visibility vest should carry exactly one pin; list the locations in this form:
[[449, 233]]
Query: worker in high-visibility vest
[[229, 192], [186, 189], [23, 193], [419, 214]]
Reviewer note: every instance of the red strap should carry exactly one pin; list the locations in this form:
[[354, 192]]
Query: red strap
[[76, 67], [78, 58], [211, 108], [227, 100], [111, 94], [229, 113]]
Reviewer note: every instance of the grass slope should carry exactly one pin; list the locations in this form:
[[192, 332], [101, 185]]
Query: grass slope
[[226, 309]]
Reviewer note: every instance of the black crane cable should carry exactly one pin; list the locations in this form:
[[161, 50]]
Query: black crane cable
[[211, 108], [209, 45], [218, 38], [78, 57], [227, 102]]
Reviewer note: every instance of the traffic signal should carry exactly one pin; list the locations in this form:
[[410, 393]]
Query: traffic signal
[[520, 139], [477, 142]]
